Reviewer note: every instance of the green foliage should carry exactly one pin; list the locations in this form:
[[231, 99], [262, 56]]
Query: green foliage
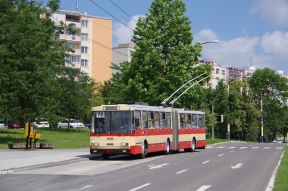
[[270, 87], [34, 80], [163, 59]]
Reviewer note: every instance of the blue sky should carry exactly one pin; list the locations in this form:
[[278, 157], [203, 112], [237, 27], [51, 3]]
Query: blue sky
[[249, 31]]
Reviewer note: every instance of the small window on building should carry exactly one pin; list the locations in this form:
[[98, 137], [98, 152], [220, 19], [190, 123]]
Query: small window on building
[[84, 36], [217, 71], [223, 72], [84, 63], [74, 58], [84, 49], [84, 23]]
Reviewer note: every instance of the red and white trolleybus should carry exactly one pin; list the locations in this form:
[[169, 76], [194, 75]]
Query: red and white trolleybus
[[140, 129]]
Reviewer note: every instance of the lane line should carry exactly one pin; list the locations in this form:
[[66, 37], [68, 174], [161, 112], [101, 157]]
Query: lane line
[[267, 147], [139, 187], [220, 155], [205, 162], [203, 188], [231, 151], [232, 147], [255, 147], [157, 166], [85, 187], [279, 147], [239, 165], [243, 148], [181, 171], [220, 147], [272, 179]]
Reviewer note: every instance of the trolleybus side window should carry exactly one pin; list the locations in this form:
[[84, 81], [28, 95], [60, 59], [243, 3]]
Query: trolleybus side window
[[182, 120], [200, 121], [189, 120], [156, 119], [163, 120], [150, 119], [168, 119], [137, 119], [194, 120], [144, 120]]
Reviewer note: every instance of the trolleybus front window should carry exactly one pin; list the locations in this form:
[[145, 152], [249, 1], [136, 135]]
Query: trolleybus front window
[[112, 122]]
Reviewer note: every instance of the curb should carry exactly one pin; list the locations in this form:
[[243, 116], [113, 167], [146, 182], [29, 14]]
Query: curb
[[38, 166]]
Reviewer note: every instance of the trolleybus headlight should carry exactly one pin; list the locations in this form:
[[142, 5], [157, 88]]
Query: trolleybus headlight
[[124, 144], [94, 144]]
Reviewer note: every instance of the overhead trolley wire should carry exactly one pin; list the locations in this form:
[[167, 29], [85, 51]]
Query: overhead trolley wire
[[122, 10], [97, 5]]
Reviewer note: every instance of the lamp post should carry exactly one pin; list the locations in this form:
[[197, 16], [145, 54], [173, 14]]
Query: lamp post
[[208, 42]]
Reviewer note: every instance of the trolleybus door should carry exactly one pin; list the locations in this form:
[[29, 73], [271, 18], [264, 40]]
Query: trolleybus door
[[175, 130]]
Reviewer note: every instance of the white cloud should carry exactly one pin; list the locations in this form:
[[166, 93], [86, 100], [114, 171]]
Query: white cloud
[[264, 51], [276, 42], [274, 11], [122, 33]]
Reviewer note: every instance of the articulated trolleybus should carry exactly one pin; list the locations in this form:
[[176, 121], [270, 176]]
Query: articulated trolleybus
[[133, 129]]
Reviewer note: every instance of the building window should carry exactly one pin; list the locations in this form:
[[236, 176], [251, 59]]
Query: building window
[[223, 72], [217, 71], [84, 49], [84, 63], [84, 36], [74, 58], [84, 23]]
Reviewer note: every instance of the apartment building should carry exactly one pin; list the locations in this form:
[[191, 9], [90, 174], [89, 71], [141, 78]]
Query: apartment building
[[91, 42], [122, 53]]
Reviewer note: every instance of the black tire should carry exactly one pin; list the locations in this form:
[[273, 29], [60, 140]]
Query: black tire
[[167, 148], [144, 151], [193, 145]]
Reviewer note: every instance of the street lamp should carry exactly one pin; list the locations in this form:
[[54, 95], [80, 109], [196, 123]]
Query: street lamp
[[208, 42]]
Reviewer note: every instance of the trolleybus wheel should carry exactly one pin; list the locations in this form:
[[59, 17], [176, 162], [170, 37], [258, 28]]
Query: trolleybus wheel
[[167, 151], [193, 146], [144, 150]]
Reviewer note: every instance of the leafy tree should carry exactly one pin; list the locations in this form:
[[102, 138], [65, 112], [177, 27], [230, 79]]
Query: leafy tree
[[33, 77], [272, 89], [163, 59]]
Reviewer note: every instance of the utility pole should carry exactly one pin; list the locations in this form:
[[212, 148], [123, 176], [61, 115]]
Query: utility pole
[[213, 130], [228, 124], [262, 121]]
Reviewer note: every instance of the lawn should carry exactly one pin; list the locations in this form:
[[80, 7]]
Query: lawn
[[215, 140], [60, 138], [281, 182]]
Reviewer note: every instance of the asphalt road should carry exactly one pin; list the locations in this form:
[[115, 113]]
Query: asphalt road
[[229, 166]]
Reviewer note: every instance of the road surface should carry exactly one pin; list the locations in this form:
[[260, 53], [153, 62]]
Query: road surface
[[233, 166]]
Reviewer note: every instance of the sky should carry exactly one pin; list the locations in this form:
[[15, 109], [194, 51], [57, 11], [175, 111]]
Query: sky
[[250, 32]]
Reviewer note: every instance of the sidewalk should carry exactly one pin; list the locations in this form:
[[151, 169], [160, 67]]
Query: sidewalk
[[16, 159]]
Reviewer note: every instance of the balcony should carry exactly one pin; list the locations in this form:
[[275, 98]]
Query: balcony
[[74, 24]]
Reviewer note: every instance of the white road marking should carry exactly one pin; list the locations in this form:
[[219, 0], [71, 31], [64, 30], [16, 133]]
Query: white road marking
[[239, 165], [139, 187], [232, 147], [220, 155], [243, 148], [220, 147], [267, 147], [255, 147], [209, 147], [272, 179], [203, 188], [157, 166], [205, 162], [5, 172], [231, 151], [85, 187], [279, 147], [181, 171]]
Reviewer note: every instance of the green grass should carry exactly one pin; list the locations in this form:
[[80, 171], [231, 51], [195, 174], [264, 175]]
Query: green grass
[[60, 138], [281, 183], [215, 140]]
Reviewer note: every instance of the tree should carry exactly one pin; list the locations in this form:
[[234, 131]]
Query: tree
[[272, 89], [163, 59], [33, 76]]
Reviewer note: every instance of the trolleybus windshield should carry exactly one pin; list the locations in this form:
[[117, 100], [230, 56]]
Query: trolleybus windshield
[[109, 122]]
